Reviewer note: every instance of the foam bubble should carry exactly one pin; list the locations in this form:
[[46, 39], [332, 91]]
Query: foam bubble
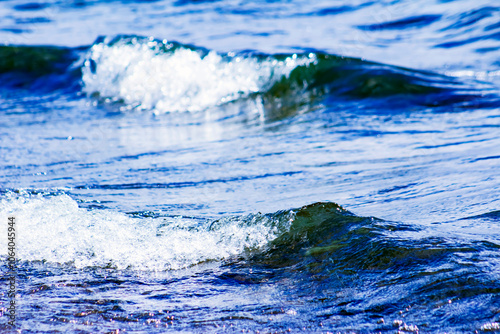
[[55, 229], [144, 74]]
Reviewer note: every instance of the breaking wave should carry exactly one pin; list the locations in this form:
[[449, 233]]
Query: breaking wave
[[56, 230], [143, 73]]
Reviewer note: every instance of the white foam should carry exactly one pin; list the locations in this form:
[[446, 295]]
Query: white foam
[[146, 77], [55, 229]]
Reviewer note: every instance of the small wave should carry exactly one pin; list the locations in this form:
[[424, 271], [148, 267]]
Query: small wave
[[54, 229], [134, 72], [318, 247]]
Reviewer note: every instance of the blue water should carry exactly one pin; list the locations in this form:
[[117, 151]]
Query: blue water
[[267, 166]]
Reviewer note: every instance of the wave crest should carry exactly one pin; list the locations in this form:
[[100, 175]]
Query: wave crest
[[55, 229], [169, 77]]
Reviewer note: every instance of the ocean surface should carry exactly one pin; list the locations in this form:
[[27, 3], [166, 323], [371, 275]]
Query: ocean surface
[[251, 167]]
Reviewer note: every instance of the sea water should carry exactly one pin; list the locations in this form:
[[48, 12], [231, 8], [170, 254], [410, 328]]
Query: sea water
[[265, 166]]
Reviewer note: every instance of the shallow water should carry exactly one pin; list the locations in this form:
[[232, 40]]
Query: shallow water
[[174, 166]]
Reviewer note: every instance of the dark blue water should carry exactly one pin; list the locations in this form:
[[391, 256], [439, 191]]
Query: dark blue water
[[267, 166]]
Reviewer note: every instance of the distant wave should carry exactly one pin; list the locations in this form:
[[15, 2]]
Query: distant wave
[[55, 229], [135, 72]]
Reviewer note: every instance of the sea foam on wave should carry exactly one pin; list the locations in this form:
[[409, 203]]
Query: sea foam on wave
[[55, 229]]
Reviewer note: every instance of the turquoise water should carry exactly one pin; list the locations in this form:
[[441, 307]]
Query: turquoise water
[[269, 166]]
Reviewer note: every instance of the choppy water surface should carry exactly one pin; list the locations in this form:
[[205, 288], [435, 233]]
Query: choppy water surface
[[213, 166]]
